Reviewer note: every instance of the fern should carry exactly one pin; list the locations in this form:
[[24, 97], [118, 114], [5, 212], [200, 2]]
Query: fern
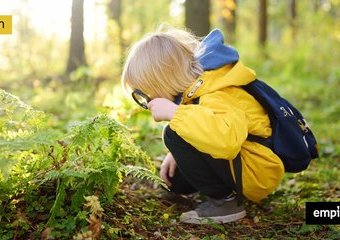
[[142, 173], [22, 129], [90, 159], [15, 115]]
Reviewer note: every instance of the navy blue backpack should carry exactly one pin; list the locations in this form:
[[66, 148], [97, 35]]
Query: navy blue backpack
[[292, 139]]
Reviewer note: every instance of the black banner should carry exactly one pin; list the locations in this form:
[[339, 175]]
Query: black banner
[[322, 212]]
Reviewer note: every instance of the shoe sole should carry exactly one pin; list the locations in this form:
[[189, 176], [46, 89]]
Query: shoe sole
[[218, 219]]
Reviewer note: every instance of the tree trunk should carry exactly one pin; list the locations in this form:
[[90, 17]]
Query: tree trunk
[[263, 22], [115, 7], [227, 18], [197, 13], [115, 11], [316, 5], [77, 47], [292, 17]]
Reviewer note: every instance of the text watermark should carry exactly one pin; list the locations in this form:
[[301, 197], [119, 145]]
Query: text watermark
[[322, 212], [5, 24]]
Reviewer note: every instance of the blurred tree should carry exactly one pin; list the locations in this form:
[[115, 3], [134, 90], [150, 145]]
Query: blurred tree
[[115, 7], [26, 33], [227, 17], [197, 13], [316, 5], [115, 12], [262, 22], [77, 46], [292, 17]]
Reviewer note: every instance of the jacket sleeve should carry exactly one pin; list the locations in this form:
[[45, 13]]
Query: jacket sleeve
[[218, 134]]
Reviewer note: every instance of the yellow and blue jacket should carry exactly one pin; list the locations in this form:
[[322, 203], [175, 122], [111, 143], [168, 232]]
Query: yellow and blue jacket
[[220, 123]]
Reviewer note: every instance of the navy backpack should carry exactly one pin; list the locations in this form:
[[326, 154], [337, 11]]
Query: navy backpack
[[292, 139]]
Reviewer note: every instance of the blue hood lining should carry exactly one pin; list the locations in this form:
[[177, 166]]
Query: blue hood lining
[[216, 54]]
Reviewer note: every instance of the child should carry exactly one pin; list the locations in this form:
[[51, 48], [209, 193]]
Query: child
[[208, 130]]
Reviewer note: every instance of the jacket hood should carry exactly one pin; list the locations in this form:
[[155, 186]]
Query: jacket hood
[[221, 66], [216, 54]]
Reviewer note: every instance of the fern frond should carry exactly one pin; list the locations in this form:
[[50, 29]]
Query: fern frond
[[142, 173], [44, 138], [90, 158]]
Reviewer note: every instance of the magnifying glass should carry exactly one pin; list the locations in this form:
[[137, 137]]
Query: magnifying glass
[[140, 98]]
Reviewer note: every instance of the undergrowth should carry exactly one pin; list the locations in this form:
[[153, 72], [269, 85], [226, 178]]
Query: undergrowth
[[46, 175]]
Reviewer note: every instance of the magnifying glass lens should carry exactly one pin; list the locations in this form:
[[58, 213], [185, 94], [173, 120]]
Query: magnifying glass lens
[[141, 98]]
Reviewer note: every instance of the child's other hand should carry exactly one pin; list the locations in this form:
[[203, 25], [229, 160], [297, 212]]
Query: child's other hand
[[162, 109], [168, 168]]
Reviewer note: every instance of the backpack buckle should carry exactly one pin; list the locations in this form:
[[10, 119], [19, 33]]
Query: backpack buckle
[[303, 125]]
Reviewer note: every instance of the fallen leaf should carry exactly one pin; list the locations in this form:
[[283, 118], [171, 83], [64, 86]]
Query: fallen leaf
[[256, 219], [95, 226], [45, 235]]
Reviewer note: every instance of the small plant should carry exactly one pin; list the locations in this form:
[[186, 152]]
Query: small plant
[[47, 174], [94, 220]]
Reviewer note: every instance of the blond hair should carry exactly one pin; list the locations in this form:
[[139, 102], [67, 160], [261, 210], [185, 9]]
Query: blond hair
[[163, 63]]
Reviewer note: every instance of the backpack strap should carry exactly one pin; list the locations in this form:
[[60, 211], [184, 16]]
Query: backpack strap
[[261, 140]]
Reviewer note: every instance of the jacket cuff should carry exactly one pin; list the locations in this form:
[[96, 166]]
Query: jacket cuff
[[178, 117]]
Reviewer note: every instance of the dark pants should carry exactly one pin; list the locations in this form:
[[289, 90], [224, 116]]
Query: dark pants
[[197, 171]]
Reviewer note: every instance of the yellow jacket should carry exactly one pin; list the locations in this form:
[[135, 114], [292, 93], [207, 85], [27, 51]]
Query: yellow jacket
[[220, 123]]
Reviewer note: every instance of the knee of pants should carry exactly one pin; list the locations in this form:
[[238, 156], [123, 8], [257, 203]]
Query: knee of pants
[[172, 140]]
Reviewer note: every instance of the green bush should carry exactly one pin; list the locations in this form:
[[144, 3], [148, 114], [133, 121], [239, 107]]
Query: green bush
[[46, 174]]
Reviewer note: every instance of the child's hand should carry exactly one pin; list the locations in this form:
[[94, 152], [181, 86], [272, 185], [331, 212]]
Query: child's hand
[[168, 168], [162, 109]]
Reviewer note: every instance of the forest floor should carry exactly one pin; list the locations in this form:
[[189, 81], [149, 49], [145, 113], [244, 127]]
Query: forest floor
[[144, 211]]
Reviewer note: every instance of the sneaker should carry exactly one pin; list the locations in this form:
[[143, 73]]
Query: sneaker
[[215, 211]]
